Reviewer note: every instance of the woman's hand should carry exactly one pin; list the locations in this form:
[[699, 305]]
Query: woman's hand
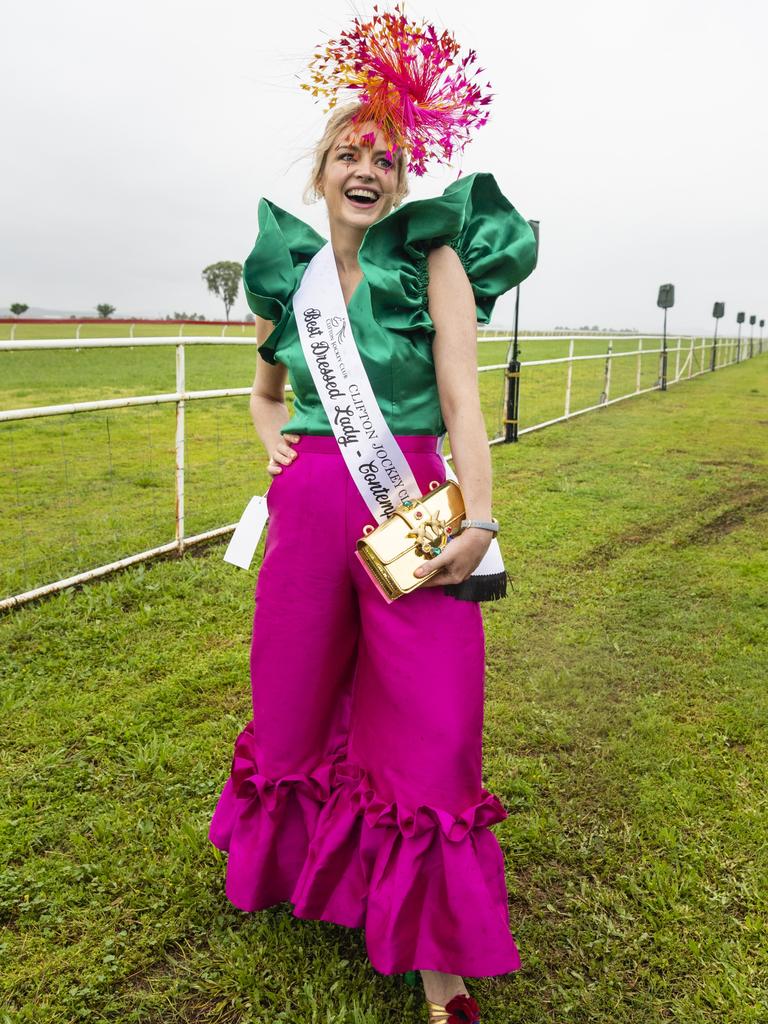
[[459, 559], [282, 454]]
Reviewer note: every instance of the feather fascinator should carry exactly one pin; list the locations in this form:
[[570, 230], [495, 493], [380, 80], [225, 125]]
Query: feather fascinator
[[411, 82]]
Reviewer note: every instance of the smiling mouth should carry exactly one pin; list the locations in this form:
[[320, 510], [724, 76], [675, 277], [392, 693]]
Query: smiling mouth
[[362, 198]]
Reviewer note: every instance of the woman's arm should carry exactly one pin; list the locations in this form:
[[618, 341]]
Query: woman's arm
[[452, 310], [268, 409]]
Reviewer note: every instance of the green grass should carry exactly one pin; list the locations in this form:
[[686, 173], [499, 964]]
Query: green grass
[[625, 732], [85, 489]]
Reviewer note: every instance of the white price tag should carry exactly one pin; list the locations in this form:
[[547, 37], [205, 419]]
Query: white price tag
[[244, 541]]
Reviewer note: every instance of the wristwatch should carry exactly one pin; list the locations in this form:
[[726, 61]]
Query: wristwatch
[[493, 526]]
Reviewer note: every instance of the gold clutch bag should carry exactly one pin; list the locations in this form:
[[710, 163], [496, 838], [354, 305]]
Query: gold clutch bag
[[417, 531]]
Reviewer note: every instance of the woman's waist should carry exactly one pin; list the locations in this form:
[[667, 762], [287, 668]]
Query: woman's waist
[[327, 443]]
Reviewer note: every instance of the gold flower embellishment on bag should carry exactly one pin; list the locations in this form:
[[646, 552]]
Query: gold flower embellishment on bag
[[432, 534]]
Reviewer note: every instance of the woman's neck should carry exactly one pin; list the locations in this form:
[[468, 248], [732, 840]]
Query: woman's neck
[[346, 242]]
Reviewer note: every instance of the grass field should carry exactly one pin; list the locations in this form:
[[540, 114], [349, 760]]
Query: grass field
[[625, 732], [81, 490]]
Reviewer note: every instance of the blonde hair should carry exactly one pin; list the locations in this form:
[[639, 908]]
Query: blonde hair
[[339, 119]]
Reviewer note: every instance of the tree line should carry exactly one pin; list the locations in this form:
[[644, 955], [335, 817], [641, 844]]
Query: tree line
[[222, 278]]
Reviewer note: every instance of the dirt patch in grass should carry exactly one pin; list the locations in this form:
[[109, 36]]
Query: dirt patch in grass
[[743, 505], [726, 462], [639, 535]]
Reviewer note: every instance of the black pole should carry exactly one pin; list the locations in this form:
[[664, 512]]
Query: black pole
[[738, 347], [512, 412], [714, 350], [664, 355]]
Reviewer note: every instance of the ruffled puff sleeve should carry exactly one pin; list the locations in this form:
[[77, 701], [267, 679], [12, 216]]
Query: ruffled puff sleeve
[[272, 271], [495, 244]]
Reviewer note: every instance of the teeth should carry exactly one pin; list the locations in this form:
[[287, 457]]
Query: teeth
[[366, 192]]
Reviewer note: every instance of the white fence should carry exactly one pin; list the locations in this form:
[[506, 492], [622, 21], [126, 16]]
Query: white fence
[[686, 357]]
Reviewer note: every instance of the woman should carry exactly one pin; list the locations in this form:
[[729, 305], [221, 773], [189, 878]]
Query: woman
[[356, 790]]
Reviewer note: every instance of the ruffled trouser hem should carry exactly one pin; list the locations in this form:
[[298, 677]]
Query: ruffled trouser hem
[[427, 886]]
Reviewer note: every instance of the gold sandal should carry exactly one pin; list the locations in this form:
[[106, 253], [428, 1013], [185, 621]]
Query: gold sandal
[[459, 1010]]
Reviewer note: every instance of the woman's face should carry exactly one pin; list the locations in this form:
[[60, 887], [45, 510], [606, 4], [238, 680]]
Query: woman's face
[[359, 180]]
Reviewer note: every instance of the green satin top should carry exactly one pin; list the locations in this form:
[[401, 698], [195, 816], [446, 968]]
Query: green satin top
[[388, 311]]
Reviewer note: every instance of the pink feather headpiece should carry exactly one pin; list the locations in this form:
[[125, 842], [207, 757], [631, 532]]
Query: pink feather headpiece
[[410, 83]]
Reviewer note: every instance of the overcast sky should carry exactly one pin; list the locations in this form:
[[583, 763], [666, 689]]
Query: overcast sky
[[139, 137]]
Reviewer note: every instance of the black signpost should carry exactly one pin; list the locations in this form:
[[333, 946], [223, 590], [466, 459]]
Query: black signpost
[[752, 322], [762, 325], [512, 403], [739, 321], [666, 300], [718, 312]]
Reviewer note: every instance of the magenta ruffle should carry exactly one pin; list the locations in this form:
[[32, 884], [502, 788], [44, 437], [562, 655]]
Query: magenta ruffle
[[363, 799], [426, 885]]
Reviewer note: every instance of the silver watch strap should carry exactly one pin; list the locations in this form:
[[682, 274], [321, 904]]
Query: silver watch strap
[[492, 526]]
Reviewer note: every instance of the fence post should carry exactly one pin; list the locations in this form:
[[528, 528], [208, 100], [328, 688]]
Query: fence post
[[639, 363], [690, 358], [77, 332], [512, 411], [607, 374], [13, 332], [677, 361], [569, 381], [180, 389]]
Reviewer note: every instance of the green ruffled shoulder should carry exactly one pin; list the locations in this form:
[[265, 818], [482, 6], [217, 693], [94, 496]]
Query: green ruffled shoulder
[[274, 268], [495, 243]]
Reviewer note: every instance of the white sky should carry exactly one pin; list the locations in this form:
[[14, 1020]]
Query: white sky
[[138, 138]]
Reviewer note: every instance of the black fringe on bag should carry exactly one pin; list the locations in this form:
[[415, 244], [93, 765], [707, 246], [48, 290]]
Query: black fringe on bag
[[489, 587]]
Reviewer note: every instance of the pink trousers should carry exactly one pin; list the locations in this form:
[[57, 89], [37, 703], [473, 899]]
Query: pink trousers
[[355, 791]]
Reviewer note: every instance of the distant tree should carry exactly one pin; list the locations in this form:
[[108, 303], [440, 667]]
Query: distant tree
[[186, 316], [105, 310], [18, 308], [223, 279]]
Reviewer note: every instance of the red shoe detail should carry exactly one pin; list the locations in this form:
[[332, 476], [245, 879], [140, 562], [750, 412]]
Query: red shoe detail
[[463, 1010]]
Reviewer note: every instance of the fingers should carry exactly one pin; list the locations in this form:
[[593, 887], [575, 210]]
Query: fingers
[[430, 565], [283, 454], [447, 570], [455, 563]]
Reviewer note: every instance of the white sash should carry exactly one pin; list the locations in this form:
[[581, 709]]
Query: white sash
[[374, 459]]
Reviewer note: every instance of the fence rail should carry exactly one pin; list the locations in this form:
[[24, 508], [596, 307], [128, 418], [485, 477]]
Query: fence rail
[[692, 357]]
